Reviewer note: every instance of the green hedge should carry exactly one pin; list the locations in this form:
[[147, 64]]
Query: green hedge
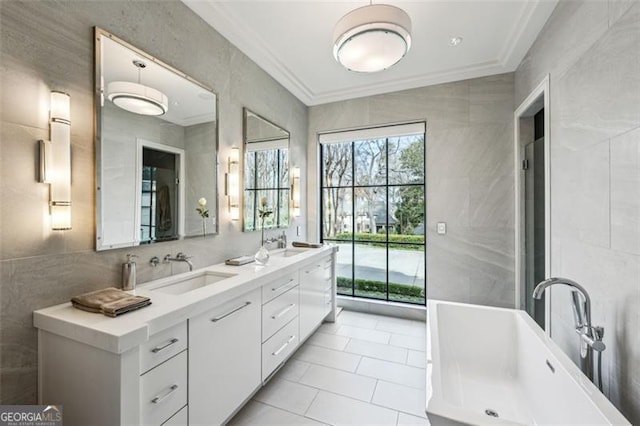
[[382, 238], [381, 287]]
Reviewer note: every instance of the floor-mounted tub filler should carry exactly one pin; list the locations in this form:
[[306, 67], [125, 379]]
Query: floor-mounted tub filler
[[489, 366]]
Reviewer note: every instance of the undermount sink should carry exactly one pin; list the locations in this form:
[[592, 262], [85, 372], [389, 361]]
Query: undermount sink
[[288, 252], [191, 282]]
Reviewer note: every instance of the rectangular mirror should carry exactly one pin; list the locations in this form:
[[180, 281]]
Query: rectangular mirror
[[266, 173], [156, 149]]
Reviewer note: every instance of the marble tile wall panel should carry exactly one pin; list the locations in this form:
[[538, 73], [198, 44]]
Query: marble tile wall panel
[[48, 45], [490, 203], [472, 265], [449, 199], [597, 98], [570, 31], [595, 175], [490, 99], [580, 193], [625, 192], [444, 104], [487, 148], [617, 8]]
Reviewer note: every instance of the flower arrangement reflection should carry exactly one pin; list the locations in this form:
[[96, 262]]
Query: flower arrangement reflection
[[262, 256], [204, 213]]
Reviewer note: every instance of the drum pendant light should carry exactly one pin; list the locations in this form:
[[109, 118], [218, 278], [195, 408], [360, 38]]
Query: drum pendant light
[[136, 97], [372, 38]]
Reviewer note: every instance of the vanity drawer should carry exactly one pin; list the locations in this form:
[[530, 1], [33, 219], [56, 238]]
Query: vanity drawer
[[277, 287], [163, 390], [179, 419], [328, 300], [279, 312], [162, 346], [278, 348]]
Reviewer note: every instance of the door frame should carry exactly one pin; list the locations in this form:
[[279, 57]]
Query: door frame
[[180, 153], [537, 99]]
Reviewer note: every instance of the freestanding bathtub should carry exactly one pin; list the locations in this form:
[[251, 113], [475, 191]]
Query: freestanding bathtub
[[494, 366]]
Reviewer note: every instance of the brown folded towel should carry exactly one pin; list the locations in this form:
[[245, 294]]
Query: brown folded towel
[[110, 301], [305, 244], [125, 305]]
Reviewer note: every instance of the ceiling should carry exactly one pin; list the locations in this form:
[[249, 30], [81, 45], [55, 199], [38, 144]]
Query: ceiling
[[292, 41]]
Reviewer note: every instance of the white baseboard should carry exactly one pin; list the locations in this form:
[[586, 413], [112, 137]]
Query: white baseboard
[[379, 307]]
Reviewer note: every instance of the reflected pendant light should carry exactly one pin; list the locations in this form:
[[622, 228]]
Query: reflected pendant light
[[136, 97], [372, 38]]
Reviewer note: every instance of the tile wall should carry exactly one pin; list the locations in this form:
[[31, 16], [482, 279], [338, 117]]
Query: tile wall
[[591, 51], [48, 45], [469, 179]]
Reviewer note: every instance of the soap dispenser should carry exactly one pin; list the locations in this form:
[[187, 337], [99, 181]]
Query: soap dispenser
[[129, 273]]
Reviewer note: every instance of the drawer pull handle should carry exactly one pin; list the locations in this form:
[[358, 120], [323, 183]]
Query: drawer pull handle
[[165, 346], [283, 285], [284, 311], [312, 269], [281, 348], [158, 399], [244, 305]]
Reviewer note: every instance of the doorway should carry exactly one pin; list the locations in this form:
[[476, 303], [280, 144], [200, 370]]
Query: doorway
[[160, 192], [532, 172], [534, 223]]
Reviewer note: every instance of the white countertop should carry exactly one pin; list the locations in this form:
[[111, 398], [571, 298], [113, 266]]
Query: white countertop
[[134, 328]]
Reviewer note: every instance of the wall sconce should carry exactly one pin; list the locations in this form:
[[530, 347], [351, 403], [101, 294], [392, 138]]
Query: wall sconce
[[295, 191], [232, 183], [55, 161]]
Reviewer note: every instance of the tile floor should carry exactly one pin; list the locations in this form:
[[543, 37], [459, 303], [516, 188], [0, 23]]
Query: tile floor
[[363, 370]]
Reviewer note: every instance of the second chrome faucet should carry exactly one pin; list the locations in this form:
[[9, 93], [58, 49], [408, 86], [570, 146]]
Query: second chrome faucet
[[180, 257]]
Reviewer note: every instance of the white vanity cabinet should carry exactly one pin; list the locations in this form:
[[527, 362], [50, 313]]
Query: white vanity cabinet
[[144, 385], [316, 294], [191, 358], [224, 359]]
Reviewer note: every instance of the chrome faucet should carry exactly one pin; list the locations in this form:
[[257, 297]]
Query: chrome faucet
[[180, 257], [590, 336], [282, 240]]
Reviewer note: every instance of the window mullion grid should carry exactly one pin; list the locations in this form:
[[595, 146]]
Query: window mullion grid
[[255, 196], [353, 220], [386, 160]]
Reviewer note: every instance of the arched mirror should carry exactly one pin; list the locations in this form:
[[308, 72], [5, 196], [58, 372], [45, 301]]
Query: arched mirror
[[156, 148], [266, 174]]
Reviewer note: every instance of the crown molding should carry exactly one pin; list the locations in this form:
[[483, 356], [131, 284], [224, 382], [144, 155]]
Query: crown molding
[[220, 16]]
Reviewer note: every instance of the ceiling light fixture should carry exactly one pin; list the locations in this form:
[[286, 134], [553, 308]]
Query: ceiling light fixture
[[372, 38], [136, 97]]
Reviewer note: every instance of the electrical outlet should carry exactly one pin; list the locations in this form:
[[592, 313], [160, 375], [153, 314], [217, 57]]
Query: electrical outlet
[[441, 228]]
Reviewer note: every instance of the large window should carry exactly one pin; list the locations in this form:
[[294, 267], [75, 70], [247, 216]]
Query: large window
[[373, 207]]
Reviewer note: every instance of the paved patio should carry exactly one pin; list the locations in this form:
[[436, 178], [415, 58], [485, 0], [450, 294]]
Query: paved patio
[[405, 266]]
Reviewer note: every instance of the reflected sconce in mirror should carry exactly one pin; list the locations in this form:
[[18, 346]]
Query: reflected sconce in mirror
[[55, 161], [232, 187], [295, 191]]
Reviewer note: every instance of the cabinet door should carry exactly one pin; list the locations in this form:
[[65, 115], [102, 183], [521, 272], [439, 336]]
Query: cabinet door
[[224, 359], [314, 279]]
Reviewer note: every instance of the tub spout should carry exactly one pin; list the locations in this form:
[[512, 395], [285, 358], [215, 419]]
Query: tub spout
[[590, 337], [582, 314]]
